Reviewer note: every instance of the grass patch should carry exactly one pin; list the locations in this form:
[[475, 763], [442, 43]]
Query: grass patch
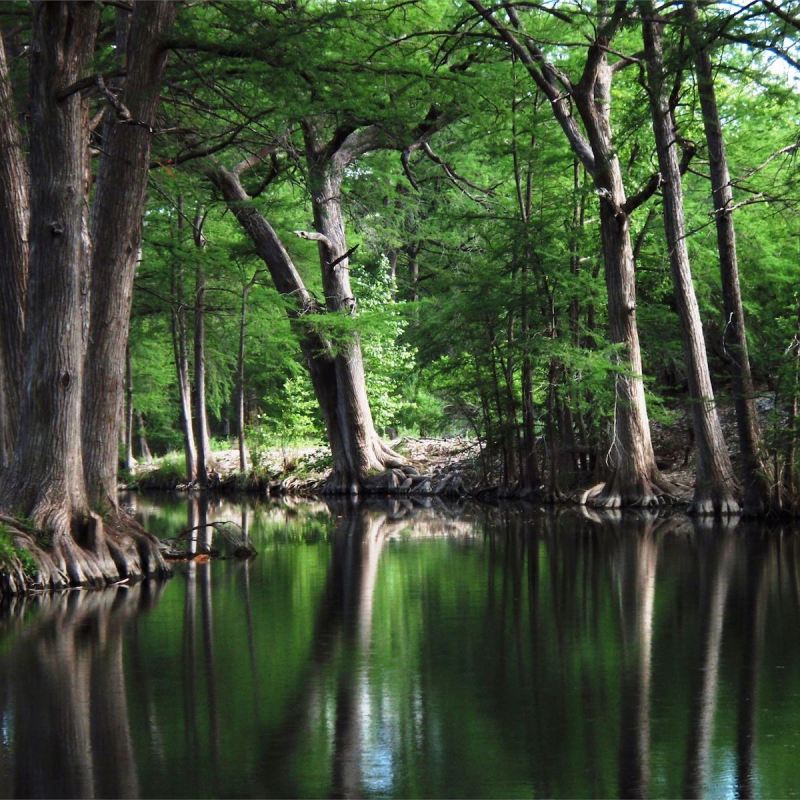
[[169, 472], [10, 552]]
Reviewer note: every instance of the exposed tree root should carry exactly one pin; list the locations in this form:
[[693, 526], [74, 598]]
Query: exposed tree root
[[88, 552], [714, 503], [643, 492], [555, 497]]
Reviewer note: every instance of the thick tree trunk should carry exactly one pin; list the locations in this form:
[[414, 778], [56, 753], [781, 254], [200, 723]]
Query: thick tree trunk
[[755, 484], [116, 232], [13, 262], [45, 483], [45, 478], [200, 413], [714, 487]]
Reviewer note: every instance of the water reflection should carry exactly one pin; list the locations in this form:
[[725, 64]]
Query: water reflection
[[68, 705], [400, 650]]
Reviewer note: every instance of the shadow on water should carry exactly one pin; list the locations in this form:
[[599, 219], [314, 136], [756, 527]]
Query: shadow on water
[[398, 650]]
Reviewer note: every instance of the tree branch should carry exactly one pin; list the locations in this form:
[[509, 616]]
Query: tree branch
[[544, 76], [649, 189]]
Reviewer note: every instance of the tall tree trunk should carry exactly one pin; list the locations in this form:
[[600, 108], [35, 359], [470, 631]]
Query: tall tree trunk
[[181, 353], [635, 479], [289, 284], [13, 262], [45, 477], [714, 487], [45, 481], [128, 411], [240, 380], [755, 484], [317, 351], [116, 232], [202, 441]]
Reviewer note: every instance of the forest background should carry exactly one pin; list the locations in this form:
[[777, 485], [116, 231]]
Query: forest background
[[416, 217]]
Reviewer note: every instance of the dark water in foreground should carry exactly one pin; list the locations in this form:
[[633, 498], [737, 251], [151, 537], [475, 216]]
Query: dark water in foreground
[[493, 653]]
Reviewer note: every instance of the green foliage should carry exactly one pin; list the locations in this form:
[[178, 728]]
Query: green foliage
[[11, 553], [480, 259], [169, 472], [389, 360]]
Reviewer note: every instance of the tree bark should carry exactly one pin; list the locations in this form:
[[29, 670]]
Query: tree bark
[[202, 441], [116, 232], [364, 451], [714, 487], [317, 351], [13, 262], [45, 482], [181, 353], [635, 479], [129, 461], [45, 477], [755, 484]]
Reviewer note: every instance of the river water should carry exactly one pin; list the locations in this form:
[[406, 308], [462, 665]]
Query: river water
[[441, 652]]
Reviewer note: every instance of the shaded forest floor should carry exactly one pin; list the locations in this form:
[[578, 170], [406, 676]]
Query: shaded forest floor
[[453, 464]]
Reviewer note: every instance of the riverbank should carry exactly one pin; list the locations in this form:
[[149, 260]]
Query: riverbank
[[445, 467]]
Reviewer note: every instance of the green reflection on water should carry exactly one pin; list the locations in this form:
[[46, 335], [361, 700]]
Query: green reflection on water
[[374, 652]]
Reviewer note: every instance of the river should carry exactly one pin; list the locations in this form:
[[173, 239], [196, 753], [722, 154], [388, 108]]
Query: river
[[387, 651]]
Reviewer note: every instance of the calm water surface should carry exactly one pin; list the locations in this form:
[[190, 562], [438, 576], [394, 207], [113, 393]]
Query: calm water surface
[[376, 653]]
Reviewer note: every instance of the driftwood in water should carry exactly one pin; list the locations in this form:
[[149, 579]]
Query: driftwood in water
[[238, 543]]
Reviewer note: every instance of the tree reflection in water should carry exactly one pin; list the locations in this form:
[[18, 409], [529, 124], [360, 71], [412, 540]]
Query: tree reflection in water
[[395, 650], [69, 705]]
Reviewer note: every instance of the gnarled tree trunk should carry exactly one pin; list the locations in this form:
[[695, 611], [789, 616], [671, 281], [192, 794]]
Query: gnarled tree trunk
[[116, 233], [714, 487], [45, 482], [13, 262]]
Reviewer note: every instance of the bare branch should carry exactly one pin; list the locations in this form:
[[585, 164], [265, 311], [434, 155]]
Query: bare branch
[[316, 237]]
